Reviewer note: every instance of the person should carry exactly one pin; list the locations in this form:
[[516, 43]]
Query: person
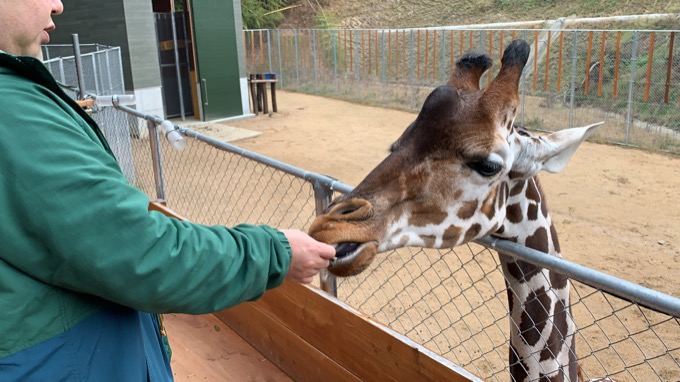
[[85, 268]]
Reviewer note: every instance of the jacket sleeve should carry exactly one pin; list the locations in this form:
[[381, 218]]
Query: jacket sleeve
[[72, 220]]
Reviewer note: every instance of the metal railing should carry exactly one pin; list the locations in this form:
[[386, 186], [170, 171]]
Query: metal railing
[[451, 301], [101, 67], [629, 79]]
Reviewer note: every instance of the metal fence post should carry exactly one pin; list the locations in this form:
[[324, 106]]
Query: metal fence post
[[278, 44], [357, 64], [572, 86], [79, 66], [444, 55], [108, 72], [297, 59], [335, 61], [411, 64], [316, 62], [631, 87], [322, 198], [156, 160], [383, 73], [269, 50]]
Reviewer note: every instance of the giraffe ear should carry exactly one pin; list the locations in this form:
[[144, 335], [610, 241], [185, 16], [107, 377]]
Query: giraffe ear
[[552, 152]]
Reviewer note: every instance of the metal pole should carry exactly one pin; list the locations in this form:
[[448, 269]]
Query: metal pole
[[411, 64], [443, 59], [79, 66], [322, 198], [316, 62], [61, 70], [383, 74], [297, 59], [335, 62], [357, 63], [523, 86], [94, 72], [177, 68], [156, 159], [631, 87], [108, 71], [278, 44], [269, 50], [573, 79]]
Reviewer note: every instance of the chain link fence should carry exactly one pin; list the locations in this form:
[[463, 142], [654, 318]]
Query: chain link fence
[[102, 67], [629, 79], [453, 302]]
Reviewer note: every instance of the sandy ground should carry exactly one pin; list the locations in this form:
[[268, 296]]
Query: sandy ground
[[614, 207]]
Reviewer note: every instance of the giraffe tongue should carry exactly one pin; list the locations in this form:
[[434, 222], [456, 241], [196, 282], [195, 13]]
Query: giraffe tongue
[[344, 249]]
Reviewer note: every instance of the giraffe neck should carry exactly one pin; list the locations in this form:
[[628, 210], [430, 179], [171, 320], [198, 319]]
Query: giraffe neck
[[542, 343]]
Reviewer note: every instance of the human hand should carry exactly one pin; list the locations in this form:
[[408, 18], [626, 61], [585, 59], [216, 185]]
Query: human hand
[[308, 256]]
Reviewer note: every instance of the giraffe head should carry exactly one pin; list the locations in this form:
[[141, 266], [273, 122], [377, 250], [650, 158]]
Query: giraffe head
[[445, 181]]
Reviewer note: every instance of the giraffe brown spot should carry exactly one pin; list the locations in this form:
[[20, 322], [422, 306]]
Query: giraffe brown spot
[[534, 316], [472, 232], [532, 212], [555, 240], [517, 188], [573, 365], [422, 216], [511, 296], [500, 230], [557, 280], [500, 201], [522, 271], [428, 241], [451, 236], [532, 192], [539, 240], [467, 210], [557, 334], [544, 208], [519, 370], [489, 203], [513, 213], [512, 175]]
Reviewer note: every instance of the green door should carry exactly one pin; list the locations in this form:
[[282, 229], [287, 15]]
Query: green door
[[217, 58]]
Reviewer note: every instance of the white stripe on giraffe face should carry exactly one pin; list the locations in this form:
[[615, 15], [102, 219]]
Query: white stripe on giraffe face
[[402, 234]]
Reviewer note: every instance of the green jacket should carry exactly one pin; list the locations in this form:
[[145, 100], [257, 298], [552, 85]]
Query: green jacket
[[77, 238]]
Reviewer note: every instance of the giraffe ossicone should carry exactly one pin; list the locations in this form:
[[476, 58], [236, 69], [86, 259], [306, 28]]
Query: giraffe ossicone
[[463, 170]]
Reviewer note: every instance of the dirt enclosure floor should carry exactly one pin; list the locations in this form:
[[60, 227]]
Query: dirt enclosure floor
[[614, 208]]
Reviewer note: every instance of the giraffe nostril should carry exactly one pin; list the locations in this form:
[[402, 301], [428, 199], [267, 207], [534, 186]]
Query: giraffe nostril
[[353, 209]]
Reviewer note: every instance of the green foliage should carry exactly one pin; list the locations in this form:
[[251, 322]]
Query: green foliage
[[262, 14], [327, 20]]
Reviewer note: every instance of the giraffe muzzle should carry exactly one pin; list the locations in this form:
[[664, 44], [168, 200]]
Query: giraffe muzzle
[[352, 258]]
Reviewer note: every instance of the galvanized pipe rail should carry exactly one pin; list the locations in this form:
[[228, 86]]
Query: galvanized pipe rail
[[325, 186]]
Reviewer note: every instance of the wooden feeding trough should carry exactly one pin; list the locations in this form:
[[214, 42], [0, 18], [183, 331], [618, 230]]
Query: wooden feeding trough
[[307, 334]]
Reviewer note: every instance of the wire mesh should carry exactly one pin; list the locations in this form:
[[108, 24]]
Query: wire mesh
[[453, 302], [629, 79], [101, 65]]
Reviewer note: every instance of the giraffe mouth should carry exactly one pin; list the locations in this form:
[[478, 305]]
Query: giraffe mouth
[[352, 258]]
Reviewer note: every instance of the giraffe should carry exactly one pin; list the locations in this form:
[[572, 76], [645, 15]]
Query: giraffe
[[463, 170]]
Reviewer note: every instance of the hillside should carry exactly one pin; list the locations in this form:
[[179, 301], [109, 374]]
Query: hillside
[[428, 13]]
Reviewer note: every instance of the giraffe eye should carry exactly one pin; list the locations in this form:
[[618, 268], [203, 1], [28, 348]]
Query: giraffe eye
[[486, 168]]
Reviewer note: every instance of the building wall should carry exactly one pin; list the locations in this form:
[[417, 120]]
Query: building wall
[[128, 24]]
